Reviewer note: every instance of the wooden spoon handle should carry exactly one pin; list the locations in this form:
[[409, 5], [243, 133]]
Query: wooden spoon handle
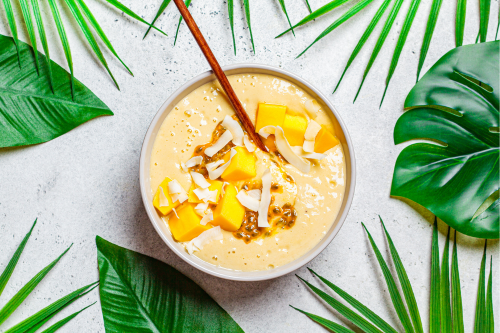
[[202, 43]]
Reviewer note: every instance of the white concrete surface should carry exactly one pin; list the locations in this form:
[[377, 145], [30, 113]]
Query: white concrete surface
[[85, 183]]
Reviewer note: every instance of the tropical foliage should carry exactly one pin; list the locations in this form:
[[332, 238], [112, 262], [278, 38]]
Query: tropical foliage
[[445, 310], [36, 321], [142, 292], [33, 110], [456, 105]]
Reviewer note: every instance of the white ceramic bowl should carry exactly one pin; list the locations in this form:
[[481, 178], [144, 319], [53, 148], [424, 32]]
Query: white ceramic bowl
[[161, 228]]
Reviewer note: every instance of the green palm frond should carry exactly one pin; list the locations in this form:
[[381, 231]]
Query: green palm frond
[[308, 6], [187, 3], [230, 11], [162, 8], [484, 16], [480, 316], [325, 322], [445, 288], [64, 321], [25, 9], [429, 31], [283, 7], [43, 39], [460, 22], [456, 295], [246, 5], [13, 26], [435, 297], [490, 321]]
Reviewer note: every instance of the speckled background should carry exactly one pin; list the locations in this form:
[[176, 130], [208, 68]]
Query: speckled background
[[86, 182]]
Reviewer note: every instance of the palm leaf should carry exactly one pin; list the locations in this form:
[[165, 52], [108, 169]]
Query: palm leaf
[[230, 10], [6, 274], [88, 35], [490, 321], [325, 322], [90, 17], [481, 301], [347, 15], [380, 41], [308, 6], [13, 27], [317, 13], [246, 5], [21, 295], [117, 4], [43, 38], [39, 318], [405, 283], [484, 14], [343, 310], [64, 321], [429, 31], [397, 301], [445, 288], [435, 303], [456, 294], [163, 5], [64, 42], [460, 22], [188, 2], [25, 9], [366, 312], [410, 16], [283, 7], [364, 38]]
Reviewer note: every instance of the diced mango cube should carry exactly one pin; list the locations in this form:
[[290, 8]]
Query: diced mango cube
[[229, 213], [294, 128], [269, 114], [214, 185], [187, 226], [325, 140], [156, 200], [242, 165]]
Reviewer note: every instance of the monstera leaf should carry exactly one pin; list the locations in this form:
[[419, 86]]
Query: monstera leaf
[[455, 105], [30, 112], [142, 294]]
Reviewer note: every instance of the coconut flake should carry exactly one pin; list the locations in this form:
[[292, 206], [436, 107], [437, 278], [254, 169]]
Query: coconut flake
[[312, 130], [184, 168], [199, 179], [222, 188], [312, 108], [202, 193], [265, 201], [219, 144], [234, 127], [248, 144], [201, 208], [286, 150], [207, 237], [254, 194], [314, 156], [216, 173], [194, 161], [212, 196], [176, 191], [207, 218], [248, 201], [175, 212], [266, 131], [308, 146], [163, 198]]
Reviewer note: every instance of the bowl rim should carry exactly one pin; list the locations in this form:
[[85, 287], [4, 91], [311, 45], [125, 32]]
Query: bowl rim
[[294, 264]]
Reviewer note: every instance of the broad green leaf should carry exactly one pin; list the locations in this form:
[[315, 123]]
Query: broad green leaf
[[445, 288], [366, 312], [42, 316], [21, 295], [13, 27], [411, 302], [188, 2], [460, 22], [456, 292], [410, 16], [480, 317], [6, 274], [484, 16], [490, 321], [140, 291], [283, 7], [88, 14], [64, 42], [369, 29], [230, 11], [317, 13], [29, 112], [397, 301], [380, 41], [435, 302], [429, 31], [163, 5], [308, 6], [325, 322], [456, 104], [64, 321], [43, 38], [350, 315], [88, 35], [246, 5], [347, 15], [25, 9]]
